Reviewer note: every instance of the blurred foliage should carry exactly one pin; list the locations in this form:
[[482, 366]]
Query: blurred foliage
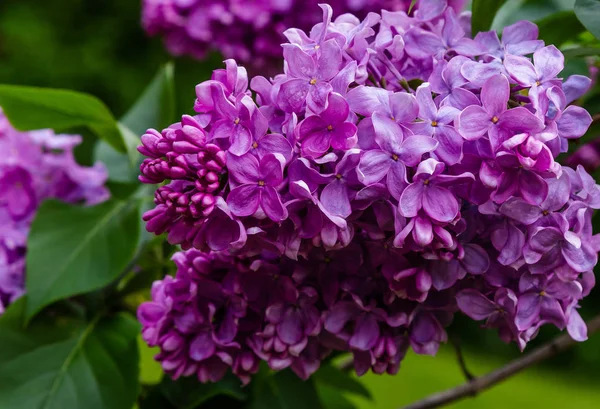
[[93, 46]]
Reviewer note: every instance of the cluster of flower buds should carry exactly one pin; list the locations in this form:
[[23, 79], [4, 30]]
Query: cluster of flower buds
[[34, 166], [248, 31], [396, 173]]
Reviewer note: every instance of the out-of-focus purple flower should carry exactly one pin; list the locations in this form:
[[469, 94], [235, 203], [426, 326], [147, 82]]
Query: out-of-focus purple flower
[[36, 166]]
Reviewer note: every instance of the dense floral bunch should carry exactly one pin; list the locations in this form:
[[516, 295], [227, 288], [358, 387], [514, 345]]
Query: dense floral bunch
[[34, 166], [248, 31], [395, 173]]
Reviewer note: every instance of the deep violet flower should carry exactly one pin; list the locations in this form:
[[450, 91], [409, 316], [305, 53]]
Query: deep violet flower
[[394, 173]]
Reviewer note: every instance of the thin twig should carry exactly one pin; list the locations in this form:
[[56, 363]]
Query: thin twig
[[461, 359], [479, 384]]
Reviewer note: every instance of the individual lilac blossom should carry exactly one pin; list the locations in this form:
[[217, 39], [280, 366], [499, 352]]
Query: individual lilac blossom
[[547, 63], [35, 166], [436, 122], [256, 186], [317, 133], [428, 192], [493, 118]]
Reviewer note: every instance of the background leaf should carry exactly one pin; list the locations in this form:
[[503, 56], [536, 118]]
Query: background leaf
[[483, 15], [155, 108], [588, 12], [335, 378], [30, 108], [188, 393], [284, 390], [74, 249], [89, 365], [559, 27]]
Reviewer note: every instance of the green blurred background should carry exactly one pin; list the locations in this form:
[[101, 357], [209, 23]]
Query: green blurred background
[[97, 46]]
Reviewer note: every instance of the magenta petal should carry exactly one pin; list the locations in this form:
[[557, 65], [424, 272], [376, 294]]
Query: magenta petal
[[411, 200], [519, 210], [243, 169], [423, 231], [495, 94], [335, 199], [574, 122], [440, 204], [450, 144], [576, 326], [366, 333], [580, 259], [292, 94], [532, 187], [396, 179], [339, 315], [414, 147], [473, 122], [528, 310], [316, 144], [202, 347], [271, 170], [475, 305], [521, 69], [343, 136], [271, 204], [549, 62], [373, 166], [299, 63], [244, 200], [290, 328]]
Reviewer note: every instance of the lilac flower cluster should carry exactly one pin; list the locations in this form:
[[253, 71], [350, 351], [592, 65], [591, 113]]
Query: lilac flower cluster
[[34, 166], [395, 173], [248, 31]]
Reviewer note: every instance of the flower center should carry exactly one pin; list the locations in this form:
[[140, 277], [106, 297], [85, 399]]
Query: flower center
[[392, 117], [426, 182], [312, 81], [255, 144], [395, 157], [261, 183], [542, 293], [339, 176], [329, 128], [538, 83], [317, 47], [495, 119], [327, 259], [434, 123], [545, 212], [237, 121]]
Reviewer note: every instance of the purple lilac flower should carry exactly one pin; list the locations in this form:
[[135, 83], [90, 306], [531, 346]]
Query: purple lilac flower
[[36, 166], [395, 173], [254, 30]]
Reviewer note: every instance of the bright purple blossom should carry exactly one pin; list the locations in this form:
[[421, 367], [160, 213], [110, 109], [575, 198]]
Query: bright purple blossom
[[394, 173]]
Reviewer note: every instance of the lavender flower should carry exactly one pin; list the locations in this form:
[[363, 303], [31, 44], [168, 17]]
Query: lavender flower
[[35, 166], [394, 174], [254, 30]]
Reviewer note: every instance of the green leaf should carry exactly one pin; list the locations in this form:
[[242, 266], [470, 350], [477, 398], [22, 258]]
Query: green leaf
[[89, 365], [74, 249], [559, 27], [156, 107], [332, 398], [581, 52], [588, 12], [30, 108], [483, 15], [188, 393], [284, 390], [336, 378]]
